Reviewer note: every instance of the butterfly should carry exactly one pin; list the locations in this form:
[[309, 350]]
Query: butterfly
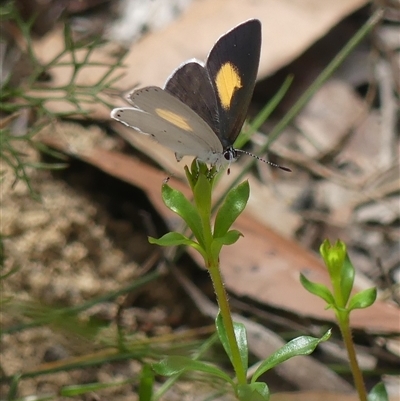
[[201, 110]]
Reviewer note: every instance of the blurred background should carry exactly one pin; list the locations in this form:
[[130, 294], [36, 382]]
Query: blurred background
[[86, 298]]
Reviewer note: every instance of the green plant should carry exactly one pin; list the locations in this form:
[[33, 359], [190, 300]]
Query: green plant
[[34, 96], [208, 241], [15, 100], [341, 273]]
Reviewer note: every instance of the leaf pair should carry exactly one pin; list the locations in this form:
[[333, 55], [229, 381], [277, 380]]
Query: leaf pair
[[197, 215]]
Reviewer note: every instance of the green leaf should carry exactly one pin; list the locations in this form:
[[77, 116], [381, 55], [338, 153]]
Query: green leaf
[[13, 389], [198, 168], [202, 195], [172, 239], [241, 340], [319, 290], [334, 256], [234, 204], [177, 202], [347, 279], [219, 324], [192, 174], [146, 383], [228, 239], [253, 392], [69, 43], [79, 389], [176, 239], [175, 364], [299, 346], [378, 393], [363, 299]]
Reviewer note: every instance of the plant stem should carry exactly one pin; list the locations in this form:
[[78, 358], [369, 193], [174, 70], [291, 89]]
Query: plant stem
[[355, 368], [222, 299]]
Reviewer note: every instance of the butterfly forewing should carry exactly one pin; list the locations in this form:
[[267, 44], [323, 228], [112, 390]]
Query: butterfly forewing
[[232, 65]]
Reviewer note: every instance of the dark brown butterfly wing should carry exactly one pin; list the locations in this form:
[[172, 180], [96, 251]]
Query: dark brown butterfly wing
[[220, 92], [232, 66], [191, 84]]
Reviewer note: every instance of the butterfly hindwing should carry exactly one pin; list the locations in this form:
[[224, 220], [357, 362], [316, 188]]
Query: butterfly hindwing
[[170, 122], [192, 85]]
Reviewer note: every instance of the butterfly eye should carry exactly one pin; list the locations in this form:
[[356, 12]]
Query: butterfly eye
[[230, 154]]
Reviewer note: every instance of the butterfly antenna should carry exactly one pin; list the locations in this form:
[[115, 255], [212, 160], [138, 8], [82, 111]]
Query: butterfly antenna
[[263, 160]]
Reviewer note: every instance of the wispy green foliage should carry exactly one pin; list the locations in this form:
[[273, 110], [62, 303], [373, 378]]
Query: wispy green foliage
[[32, 94]]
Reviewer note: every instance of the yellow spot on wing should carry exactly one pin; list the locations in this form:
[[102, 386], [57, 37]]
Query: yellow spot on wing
[[174, 119], [227, 82]]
